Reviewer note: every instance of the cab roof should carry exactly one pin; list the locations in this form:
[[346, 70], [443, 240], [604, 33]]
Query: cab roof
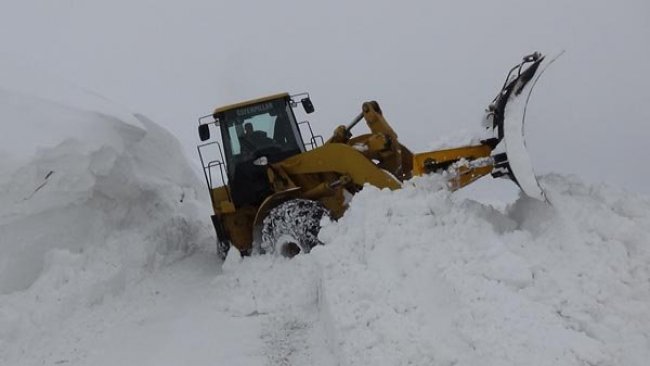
[[249, 102]]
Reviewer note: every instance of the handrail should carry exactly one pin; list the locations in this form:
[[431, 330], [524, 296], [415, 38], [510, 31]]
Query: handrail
[[207, 169], [314, 139]]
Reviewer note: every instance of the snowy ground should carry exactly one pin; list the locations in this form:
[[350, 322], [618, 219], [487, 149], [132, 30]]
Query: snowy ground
[[108, 259]]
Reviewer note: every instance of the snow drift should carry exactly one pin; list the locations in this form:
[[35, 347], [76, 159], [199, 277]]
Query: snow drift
[[418, 277], [98, 205]]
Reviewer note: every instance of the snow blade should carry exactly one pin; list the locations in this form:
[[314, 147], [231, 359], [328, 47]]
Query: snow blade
[[506, 116]]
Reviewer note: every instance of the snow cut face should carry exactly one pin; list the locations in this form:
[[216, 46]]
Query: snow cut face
[[74, 197], [86, 214]]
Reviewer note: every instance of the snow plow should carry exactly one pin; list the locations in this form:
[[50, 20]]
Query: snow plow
[[270, 188]]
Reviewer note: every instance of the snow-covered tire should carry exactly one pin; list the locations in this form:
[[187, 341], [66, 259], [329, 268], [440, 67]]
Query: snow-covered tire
[[222, 249], [292, 227]]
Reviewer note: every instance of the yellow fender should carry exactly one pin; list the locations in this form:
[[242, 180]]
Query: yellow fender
[[341, 159]]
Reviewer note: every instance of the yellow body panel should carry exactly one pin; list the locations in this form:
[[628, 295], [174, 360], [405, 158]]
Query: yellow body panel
[[341, 159], [220, 195], [249, 102], [240, 227]]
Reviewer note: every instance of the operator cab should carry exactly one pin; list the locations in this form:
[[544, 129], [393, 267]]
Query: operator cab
[[254, 134], [265, 128]]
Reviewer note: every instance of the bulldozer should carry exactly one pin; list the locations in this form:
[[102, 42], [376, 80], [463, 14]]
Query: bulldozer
[[270, 188]]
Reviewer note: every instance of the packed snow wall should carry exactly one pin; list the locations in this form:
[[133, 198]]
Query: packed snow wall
[[89, 204]]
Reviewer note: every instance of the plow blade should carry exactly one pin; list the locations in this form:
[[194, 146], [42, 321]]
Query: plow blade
[[504, 154], [506, 116]]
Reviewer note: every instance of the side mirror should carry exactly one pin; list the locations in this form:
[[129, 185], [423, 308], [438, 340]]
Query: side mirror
[[307, 105], [204, 132]]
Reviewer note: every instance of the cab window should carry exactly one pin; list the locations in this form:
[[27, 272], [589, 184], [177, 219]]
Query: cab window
[[266, 128]]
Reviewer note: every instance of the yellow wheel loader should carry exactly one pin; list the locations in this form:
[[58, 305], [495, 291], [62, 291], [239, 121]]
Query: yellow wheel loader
[[270, 189]]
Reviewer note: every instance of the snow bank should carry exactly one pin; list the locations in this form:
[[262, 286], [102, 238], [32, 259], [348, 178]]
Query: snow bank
[[34, 121], [415, 277], [89, 209], [422, 277]]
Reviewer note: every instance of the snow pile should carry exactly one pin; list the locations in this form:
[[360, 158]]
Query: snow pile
[[414, 277], [460, 137], [99, 205], [420, 277]]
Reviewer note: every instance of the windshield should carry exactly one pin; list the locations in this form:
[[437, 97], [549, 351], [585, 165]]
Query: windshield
[[263, 129]]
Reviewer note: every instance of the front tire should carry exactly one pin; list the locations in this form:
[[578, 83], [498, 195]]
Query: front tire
[[292, 227]]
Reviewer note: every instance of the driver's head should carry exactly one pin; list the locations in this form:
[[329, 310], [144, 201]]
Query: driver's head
[[248, 128]]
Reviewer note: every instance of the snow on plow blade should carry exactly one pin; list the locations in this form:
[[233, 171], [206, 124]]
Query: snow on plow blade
[[506, 116]]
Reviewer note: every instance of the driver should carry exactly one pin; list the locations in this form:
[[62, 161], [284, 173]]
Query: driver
[[248, 130], [255, 140], [246, 139]]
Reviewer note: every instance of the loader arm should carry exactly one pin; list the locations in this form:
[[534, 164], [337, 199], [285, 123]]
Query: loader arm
[[342, 160], [463, 165], [502, 155]]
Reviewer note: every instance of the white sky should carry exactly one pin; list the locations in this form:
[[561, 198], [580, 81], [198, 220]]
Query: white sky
[[432, 65]]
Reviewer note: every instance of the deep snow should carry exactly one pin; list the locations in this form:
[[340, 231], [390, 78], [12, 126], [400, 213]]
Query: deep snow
[[417, 276], [108, 259], [99, 205]]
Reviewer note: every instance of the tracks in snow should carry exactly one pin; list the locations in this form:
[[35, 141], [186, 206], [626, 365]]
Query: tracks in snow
[[287, 297]]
